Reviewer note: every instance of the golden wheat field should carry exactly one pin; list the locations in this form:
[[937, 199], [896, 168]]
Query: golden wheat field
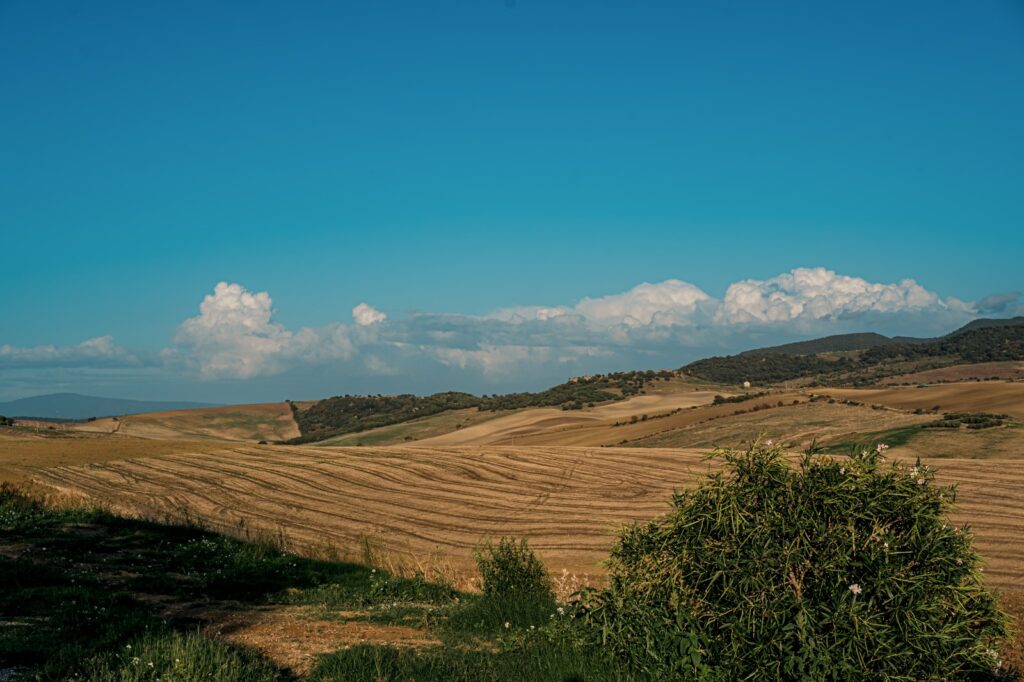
[[974, 396], [428, 504]]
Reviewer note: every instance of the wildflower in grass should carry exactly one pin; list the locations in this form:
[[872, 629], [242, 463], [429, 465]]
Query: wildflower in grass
[[561, 611], [913, 472], [507, 625], [855, 588], [920, 481], [842, 470], [881, 447]]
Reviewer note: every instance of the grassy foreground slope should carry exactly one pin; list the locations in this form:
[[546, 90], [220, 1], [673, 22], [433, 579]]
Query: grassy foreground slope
[[94, 596], [88, 595]]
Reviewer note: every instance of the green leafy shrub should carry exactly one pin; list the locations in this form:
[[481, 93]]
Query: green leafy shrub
[[832, 570], [516, 590], [511, 568]]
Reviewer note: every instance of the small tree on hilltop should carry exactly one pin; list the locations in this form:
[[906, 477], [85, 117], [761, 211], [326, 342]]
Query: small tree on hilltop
[[830, 570]]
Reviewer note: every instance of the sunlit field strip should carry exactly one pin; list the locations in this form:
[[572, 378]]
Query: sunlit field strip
[[429, 501]]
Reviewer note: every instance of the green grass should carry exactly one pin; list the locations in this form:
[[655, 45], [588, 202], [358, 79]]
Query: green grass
[[75, 601], [179, 657], [530, 658], [894, 438]]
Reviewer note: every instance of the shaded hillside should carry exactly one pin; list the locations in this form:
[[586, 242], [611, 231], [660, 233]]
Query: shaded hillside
[[980, 344], [828, 344], [352, 413], [839, 343], [991, 322]]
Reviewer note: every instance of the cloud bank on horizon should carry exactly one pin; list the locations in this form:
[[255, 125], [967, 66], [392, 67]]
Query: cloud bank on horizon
[[665, 324]]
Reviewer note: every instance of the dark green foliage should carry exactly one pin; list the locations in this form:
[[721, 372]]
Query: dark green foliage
[[722, 400], [835, 570], [511, 568], [765, 369], [828, 344], [169, 655], [985, 344], [352, 414], [537, 656], [6, 421], [971, 420]]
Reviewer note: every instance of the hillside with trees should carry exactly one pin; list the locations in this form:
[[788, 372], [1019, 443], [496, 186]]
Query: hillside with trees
[[354, 413], [769, 366]]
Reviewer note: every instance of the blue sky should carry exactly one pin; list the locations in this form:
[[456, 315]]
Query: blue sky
[[443, 162]]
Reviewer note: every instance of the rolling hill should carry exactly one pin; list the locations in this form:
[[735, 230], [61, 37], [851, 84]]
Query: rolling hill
[[567, 501], [831, 361]]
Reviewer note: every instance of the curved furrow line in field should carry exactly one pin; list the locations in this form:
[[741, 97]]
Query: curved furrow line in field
[[534, 527], [377, 518], [423, 500], [95, 483], [471, 496], [454, 487], [569, 501]]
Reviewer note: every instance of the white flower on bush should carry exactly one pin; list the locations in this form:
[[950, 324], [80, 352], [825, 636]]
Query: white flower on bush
[[507, 625], [920, 481], [561, 611], [855, 588], [881, 447]]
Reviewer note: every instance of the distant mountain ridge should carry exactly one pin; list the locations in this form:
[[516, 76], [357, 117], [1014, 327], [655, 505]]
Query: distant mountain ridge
[[78, 406], [980, 341], [864, 340], [828, 344]]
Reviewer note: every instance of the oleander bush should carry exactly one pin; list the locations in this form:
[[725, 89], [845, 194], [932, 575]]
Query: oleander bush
[[831, 569]]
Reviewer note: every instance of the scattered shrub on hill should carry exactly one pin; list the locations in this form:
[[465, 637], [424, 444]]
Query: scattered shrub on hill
[[743, 397], [516, 590], [353, 413], [511, 568], [6, 421], [833, 570], [971, 420]]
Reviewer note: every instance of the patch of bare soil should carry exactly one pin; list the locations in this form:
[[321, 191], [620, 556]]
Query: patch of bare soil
[[293, 636]]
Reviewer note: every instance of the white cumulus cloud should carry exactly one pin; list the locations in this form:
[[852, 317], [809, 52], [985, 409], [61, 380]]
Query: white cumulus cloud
[[667, 303], [235, 336], [99, 351], [816, 294], [365, 315]]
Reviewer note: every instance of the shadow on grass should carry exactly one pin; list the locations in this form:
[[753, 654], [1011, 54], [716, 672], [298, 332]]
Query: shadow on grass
[[83, 591], [88, 595]]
